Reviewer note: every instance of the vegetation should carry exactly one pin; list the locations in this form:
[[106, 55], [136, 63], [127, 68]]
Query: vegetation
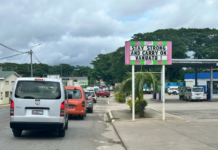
[[140, 80], [139, 105], [120, 97]]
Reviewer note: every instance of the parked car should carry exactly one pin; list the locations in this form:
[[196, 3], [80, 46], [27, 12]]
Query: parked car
[[171, 87], [194, 93], [89, 101], [182, 90], [76, 101], [38, 104], [93, 96], [174, 91], [103, 93]]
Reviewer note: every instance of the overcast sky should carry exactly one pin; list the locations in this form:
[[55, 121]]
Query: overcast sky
[[75, 32]]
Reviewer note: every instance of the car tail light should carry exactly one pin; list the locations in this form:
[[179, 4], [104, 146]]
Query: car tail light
[[62, 110], [38, 79], [12, 108], [83, 104]]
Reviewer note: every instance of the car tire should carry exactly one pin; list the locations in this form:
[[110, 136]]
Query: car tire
[[61, 133], [66, 126], [82, 117], [17, 133], [91, 110]]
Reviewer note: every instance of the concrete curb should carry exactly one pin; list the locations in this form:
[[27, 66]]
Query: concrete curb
[[170, 114], [4, 105], [111, 116]]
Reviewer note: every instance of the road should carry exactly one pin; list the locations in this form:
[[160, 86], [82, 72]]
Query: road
[[93, 133]]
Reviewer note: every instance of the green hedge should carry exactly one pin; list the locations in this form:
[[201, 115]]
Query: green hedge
[[120, 97], [137, 104]]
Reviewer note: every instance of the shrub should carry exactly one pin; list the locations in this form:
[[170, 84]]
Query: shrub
[[120, 97], [137, 104]]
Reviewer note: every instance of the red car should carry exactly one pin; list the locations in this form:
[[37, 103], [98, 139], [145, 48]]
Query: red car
[[102, 93]]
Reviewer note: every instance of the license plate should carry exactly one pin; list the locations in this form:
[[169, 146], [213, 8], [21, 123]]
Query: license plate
[[37, 112], [198, 98]]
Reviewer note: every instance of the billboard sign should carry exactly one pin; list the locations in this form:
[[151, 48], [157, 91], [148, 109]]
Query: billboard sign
[[148, 52]]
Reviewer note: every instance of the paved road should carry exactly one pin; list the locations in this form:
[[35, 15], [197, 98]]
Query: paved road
[[89, 134], [205, 111]]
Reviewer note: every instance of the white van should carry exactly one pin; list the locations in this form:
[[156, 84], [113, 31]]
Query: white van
[[38, 104], [173, 90], [194, 93]]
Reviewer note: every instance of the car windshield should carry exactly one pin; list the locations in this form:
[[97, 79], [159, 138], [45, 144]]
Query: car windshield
[[197, 90], [38, 90], [74, 94]]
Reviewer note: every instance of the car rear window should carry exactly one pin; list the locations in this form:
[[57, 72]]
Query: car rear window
[[38, 90], [74, 94], [87, 94], [197, 90]]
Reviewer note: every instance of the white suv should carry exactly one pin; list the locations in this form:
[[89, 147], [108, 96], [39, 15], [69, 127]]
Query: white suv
[[38, 104]]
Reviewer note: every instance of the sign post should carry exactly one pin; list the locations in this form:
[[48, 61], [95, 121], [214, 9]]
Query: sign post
[[133, 92], [148, 53]]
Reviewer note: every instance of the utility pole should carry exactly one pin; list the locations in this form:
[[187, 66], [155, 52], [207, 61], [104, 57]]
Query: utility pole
[[31, 58], [61, 70], [31, 62]]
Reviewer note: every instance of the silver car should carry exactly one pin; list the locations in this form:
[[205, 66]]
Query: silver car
[[89, 101], [93, 96]]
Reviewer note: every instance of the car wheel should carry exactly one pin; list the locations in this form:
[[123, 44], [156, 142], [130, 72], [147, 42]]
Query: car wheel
[[17, 133], [66, 126], [85, 114], [61, 133], [82, 117]]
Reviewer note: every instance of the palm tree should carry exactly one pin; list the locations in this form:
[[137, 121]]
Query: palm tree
[[140, 80]]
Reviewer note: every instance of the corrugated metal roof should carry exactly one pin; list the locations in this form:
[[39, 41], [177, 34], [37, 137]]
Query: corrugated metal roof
[[75, 78], [4, 74], [194, 62], [205, 75]]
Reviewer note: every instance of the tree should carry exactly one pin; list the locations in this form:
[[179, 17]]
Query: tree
[[140, 80]]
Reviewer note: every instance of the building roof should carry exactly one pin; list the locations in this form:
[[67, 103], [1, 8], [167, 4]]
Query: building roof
[[195, 62], [75, 78], [205, 75], [4, 74]]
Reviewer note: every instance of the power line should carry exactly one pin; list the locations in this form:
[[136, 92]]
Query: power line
[[24, 58], [36, 57], [11, 56], [12, 49]]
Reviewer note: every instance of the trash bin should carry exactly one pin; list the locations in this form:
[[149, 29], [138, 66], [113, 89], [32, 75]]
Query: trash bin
[[160, 95], [154, 95], [208, 93]]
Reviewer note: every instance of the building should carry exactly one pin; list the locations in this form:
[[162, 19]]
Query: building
[[203, 80], [7, 80], [75, 81]]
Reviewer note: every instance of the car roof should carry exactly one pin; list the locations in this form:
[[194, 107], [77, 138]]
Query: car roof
[[33, 79], [73, 87]]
